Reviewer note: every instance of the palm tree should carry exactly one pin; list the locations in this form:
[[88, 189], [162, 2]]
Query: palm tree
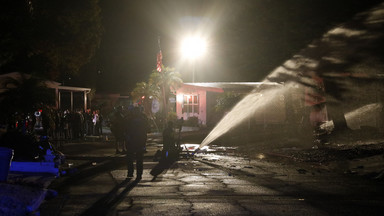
[[146, 91], [169, 81]]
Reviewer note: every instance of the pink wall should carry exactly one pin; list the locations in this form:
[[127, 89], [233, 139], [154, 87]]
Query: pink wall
[[272, 115], [202, 94]]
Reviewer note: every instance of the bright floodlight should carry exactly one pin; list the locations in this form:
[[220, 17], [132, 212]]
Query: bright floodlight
[[193, 47]]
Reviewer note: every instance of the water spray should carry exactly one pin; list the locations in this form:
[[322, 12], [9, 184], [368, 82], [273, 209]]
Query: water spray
[[246, 108]]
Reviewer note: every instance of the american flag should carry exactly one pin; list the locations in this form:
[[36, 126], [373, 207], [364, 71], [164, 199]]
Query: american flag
[[159, 61]]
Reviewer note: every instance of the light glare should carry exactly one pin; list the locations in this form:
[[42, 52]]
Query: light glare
[[193, 47]]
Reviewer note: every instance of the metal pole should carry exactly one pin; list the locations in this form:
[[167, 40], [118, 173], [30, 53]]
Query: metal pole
[[85, 100], [71, 100], [193, 70], [57, 98]]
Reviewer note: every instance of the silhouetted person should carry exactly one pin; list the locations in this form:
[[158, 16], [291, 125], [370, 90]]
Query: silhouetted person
[[118, 130], [100, 125], [66, 124], [76, 124], [88, 122], [170, 152], [97, 123], [180, 123], [169, 141], [136, 140]]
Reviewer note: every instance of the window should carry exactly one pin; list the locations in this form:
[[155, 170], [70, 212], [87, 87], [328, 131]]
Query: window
[[191, 104]]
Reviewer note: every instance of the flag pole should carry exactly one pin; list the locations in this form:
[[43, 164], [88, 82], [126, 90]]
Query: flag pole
[[159, 62], [160, 69]]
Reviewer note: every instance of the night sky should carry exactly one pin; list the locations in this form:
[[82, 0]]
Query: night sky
[[246, 38]]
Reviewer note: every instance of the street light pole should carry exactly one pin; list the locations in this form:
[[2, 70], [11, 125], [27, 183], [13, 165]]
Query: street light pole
[[193, 70], [192, 48]]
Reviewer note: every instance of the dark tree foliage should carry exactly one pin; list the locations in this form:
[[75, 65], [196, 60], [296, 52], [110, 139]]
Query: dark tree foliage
[[48, 37], [23, 96]]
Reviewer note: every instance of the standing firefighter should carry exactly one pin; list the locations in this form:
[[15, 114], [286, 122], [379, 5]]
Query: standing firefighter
[[118, 130], [169, 147], [136, 139]]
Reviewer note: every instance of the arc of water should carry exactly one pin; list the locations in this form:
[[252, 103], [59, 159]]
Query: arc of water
[[246, 108]]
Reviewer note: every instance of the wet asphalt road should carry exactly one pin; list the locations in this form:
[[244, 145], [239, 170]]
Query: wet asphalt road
[[205, 185]]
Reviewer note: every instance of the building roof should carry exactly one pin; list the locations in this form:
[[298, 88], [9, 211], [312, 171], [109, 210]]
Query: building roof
[[4, 78], [237, 86]]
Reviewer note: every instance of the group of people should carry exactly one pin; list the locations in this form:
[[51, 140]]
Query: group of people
[[69, 125], [58, 124], [130, 128]]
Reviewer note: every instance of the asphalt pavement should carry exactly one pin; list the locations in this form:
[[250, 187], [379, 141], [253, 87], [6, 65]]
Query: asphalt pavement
[[207, 184]]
